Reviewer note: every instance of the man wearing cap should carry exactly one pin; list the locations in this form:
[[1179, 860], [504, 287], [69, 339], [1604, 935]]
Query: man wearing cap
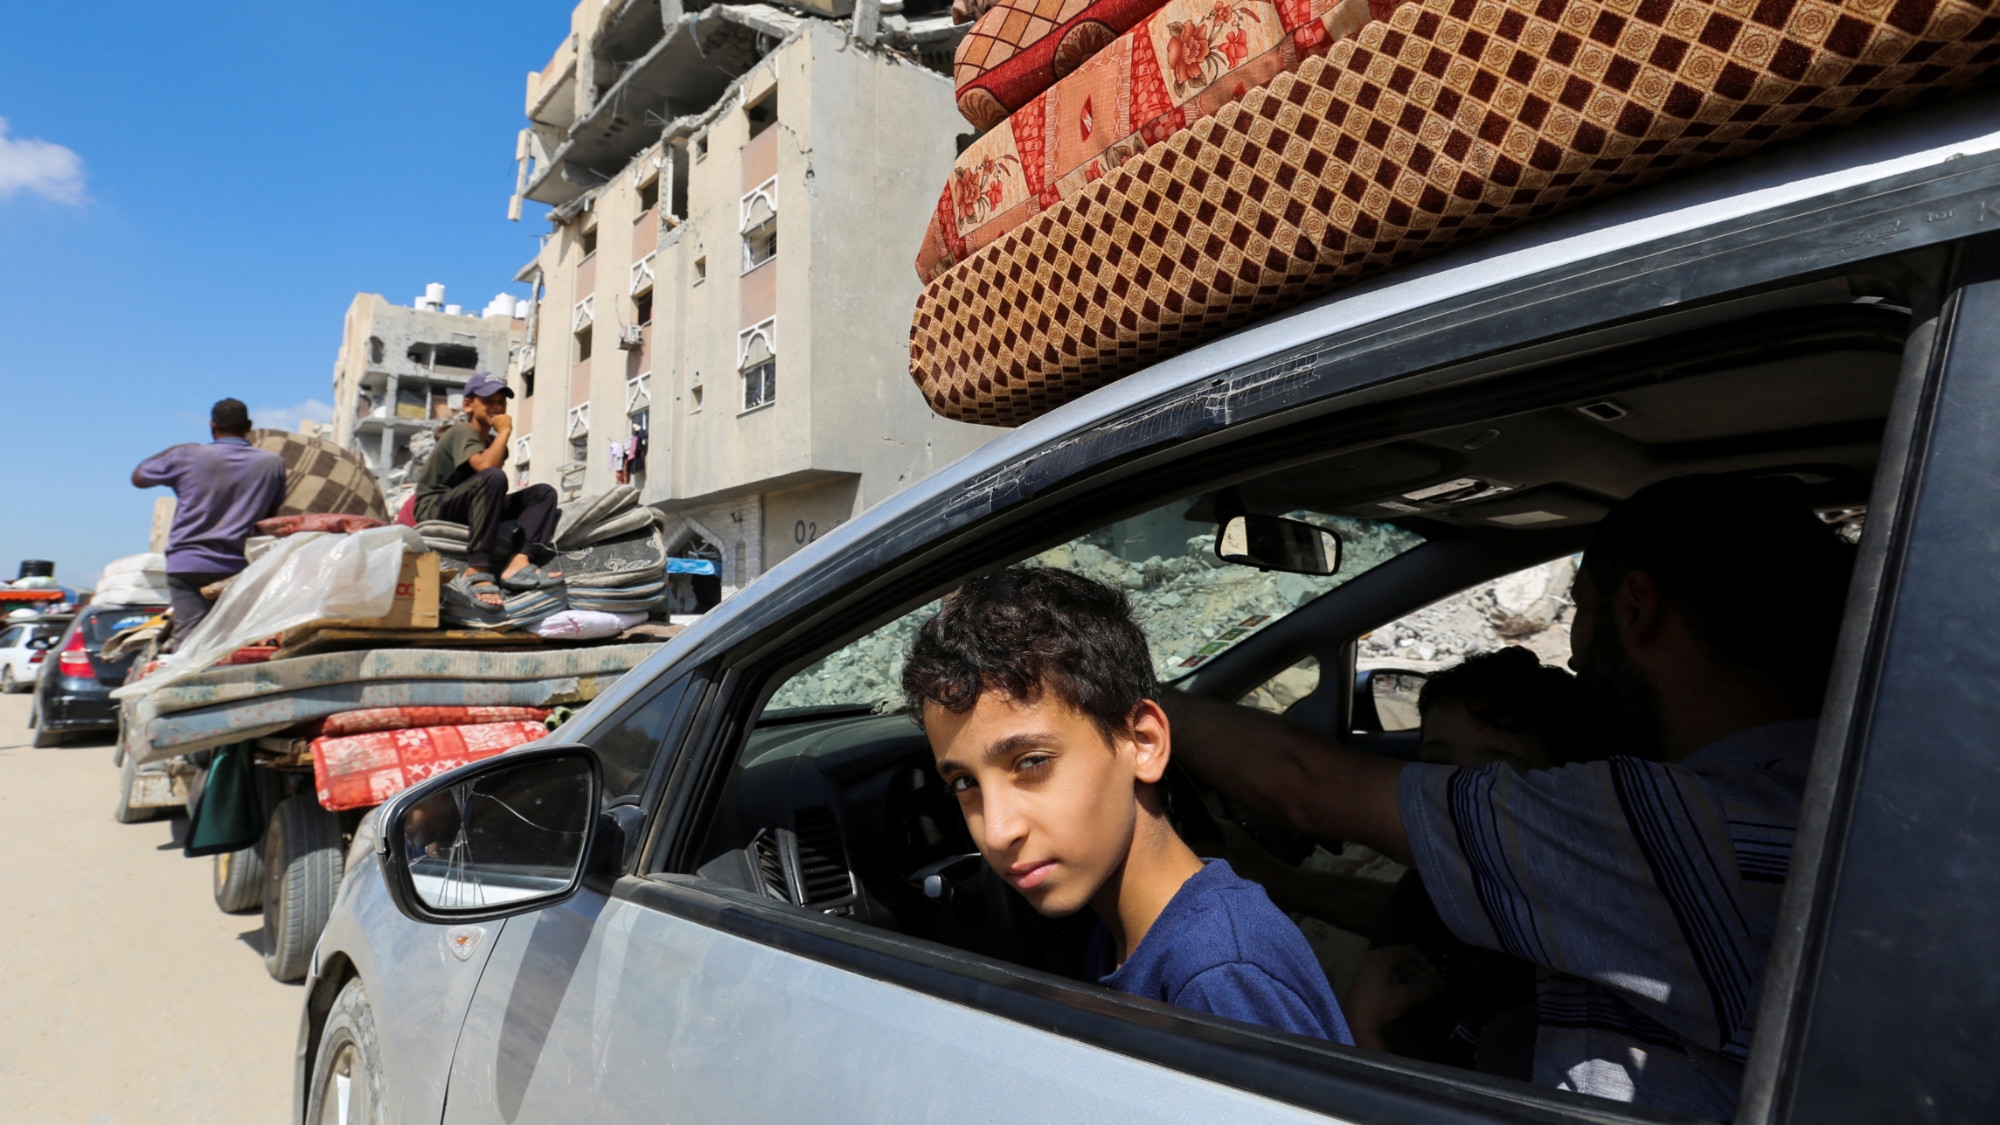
[[221, 490], [464, 483]]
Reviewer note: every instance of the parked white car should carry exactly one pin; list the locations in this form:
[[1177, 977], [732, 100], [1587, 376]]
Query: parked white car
[[23, 645]]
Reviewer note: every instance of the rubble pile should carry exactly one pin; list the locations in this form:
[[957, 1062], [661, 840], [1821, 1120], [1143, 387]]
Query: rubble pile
[[1529, 607]]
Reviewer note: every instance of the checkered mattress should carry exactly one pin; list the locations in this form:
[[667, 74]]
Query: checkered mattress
[[1447, 120], [322, 477]]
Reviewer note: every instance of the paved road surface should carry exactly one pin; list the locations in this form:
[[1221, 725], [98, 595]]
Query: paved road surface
[[125, 995]]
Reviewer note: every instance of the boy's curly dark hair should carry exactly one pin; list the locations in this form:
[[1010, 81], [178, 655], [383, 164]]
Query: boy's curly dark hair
[[1028, 630], [1514, 691]]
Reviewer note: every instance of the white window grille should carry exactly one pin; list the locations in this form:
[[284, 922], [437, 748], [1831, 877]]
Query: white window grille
[[757, 362], [642, 274], [521, 450], [527, 359], [757, 221], [584, 315], [579, 420], [639, 392]]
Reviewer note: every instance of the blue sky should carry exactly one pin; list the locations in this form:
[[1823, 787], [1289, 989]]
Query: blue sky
[[191, 194]]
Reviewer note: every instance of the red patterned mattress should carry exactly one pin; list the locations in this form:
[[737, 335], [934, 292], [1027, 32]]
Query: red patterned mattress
[[361, 770], [1179, 64]]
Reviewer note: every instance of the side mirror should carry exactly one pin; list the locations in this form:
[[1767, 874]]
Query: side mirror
[[1385, 700], [500, 837], [1276, 543]]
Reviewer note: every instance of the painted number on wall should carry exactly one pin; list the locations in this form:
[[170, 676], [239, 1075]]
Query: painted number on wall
[[804, 532]]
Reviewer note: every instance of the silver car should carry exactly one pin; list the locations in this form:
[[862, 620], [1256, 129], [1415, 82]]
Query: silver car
[[733, 888]]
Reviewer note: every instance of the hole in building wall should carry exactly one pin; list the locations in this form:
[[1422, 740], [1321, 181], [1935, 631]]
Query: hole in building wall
[[763, 113], [700, 270], [375, 349], [649, 195], [677, 168], [643, 307], [583, 344], [528, 383], [589, 242], [701, 146]]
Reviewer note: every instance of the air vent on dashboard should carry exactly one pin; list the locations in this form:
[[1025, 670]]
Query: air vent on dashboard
[[823, 874], [769, 855]]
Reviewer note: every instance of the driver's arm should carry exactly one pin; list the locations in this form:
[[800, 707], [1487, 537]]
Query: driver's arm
[[1318, 786]]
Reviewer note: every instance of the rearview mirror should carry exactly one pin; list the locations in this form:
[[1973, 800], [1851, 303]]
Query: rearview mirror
[[1276, 543], [500, 837]]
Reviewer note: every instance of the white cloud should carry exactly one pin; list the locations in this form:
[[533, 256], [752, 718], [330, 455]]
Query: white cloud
[[40, 167], [289, 417]]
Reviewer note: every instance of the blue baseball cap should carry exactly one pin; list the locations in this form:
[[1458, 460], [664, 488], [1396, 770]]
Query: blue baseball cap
[[486, 383]]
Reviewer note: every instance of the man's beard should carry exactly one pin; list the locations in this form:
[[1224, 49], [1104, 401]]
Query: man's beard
[[1625, 709]]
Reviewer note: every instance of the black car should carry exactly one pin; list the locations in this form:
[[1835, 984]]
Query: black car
[[73, 692]]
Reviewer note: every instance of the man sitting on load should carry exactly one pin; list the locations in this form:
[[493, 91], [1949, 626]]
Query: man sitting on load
[[463, 482]]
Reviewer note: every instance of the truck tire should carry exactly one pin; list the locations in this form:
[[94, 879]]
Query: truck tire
[[124, 813], [346, 1084], [302, 865], [239, 880]]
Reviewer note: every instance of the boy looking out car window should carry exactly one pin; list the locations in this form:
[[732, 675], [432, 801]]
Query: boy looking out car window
[[1035, 688]]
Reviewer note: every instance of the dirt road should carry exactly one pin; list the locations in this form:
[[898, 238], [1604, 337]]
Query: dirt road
[[125, 995]]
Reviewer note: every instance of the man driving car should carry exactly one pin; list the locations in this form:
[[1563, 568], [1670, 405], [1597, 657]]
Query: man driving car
[[1648, 883]]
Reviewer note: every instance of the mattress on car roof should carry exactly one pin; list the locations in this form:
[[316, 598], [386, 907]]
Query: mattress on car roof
[[1448, 120]]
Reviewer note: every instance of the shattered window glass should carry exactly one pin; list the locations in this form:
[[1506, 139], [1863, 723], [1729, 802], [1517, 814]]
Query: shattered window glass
[[1192, 605]]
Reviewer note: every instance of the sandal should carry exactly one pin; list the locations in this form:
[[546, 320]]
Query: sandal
[[479, 586], [531, 577]]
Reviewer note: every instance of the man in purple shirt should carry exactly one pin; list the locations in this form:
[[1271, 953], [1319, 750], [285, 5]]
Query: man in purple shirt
[[223, 489]]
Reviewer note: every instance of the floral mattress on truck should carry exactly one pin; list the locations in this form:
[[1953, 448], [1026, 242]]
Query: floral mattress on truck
[[1215, 161]]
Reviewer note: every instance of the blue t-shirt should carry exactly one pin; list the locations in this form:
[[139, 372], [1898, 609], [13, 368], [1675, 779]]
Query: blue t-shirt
[[1221, 947]]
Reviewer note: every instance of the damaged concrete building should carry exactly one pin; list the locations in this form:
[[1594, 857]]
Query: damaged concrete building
[[754, 387], [402, 370]]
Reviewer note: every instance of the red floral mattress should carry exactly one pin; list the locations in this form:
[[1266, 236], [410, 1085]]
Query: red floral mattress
[[1179, 64], [1021, 47], [361, 770], [403, 718], [1448, 120]]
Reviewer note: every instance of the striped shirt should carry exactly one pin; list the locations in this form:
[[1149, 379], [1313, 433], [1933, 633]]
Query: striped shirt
[[1647, 891]]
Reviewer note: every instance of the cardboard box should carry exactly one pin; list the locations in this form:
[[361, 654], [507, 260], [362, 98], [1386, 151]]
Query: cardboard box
[[416, 604]]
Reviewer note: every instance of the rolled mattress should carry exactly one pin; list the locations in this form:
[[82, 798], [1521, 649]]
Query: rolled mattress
[[1447, 120]]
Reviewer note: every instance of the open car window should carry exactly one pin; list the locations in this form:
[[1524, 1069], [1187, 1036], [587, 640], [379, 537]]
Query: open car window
[[1193, 605]]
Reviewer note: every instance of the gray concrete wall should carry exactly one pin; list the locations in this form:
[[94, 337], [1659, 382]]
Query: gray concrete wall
[[864, 141]]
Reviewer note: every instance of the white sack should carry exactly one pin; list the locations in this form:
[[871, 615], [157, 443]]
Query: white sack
[[152, 562], [586, 624], [311, 576]]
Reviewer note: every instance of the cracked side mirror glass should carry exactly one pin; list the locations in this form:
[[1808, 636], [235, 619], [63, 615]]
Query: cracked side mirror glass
[[499, 838]]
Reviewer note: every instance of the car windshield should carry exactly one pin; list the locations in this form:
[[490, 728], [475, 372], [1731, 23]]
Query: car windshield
[[1193, 605], [101, 627]]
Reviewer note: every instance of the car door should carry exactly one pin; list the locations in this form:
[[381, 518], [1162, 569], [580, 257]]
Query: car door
[[13, 651], [669, 997]]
